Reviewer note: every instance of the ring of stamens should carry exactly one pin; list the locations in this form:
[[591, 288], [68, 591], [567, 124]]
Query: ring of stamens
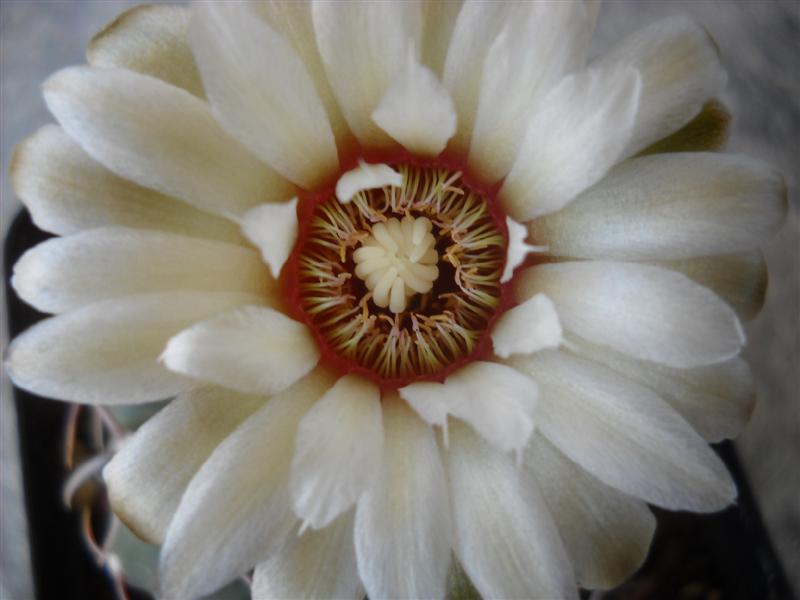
[[403, 281]]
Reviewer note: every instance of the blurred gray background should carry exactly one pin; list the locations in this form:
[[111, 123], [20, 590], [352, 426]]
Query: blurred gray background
[[760, 45]]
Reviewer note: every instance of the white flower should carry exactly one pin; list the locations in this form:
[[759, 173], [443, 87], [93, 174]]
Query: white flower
[[299, 220]]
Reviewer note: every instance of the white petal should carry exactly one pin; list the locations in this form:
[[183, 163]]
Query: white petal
[[149, 39], [236, 511], [607, 534], [539, 43], [402, 528], [417, 110], [680, 71], [643, 311], [338, 451], [149, 474], [107, 353], [527, 328], [474, 31], [292, 19], [739, 279], [577, 135], [518, 248], [65, 273], [366, 177], [505, 537], [318, 564], [161, 137], [68, 191], [625, 435], [670, 206], [716, 400], [439, 19], [253, 349], [495, 400], [273, 228], [364, 46], [261, 93]]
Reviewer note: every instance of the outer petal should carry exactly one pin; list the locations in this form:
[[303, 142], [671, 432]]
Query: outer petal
[[65, 273], [293, 19], [576, 136], [527, 328], [439, 19], [161, 137], [261, 92], [338, 451], [680, 71], [253, 349], [607, 534], [273, 228], [417, 111], [318, 564], [539, 43], [149, 474], [241, 495], [149, 39], [107, 353], [364, 46], [402, 528], [506, 539], [67, 191], [643, 311], [625, 435], [716, 400], [495, 400], [739, 279], [670, 206]]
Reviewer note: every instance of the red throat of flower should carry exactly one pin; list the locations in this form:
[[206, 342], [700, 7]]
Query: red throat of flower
[[401, 284]]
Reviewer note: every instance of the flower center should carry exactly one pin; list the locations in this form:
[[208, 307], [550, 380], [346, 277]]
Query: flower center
[[400, 282]]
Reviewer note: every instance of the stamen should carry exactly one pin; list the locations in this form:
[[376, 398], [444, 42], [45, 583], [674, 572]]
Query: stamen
[[402, 280]]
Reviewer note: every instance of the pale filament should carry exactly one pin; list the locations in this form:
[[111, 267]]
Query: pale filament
[[397, 261]]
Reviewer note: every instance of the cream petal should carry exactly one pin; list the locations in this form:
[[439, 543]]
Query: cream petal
[[417, 110], [149, 39], [402, 528], [506, 539], [496, 401], [318, 564], [253, 349], [625, 435], [739, 279], [539, 43], [149, 474], [334, 465], [439, 19], [716, 400], [112, 262], [241, 494], [527, 328], [680, 71], [107, 353], [366, 177], [160, 136], [607, 534], [273, 228], [293, 19], [260, 91], [364, 46], [66, 191], [577, 135], [670, 206], [643, 311], [518, 248]]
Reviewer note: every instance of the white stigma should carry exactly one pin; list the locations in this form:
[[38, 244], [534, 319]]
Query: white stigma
[[397, 261]]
